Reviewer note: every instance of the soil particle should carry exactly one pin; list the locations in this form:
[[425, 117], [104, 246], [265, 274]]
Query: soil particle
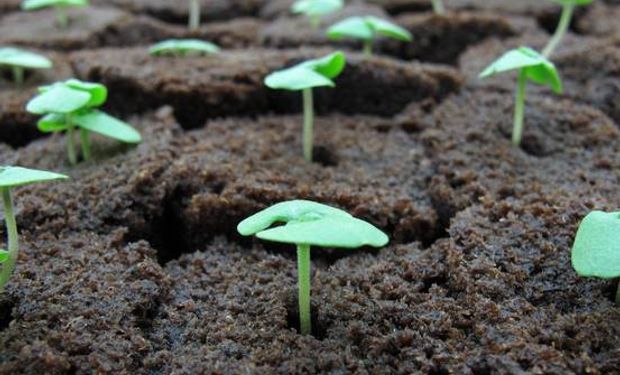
[[600, 20]]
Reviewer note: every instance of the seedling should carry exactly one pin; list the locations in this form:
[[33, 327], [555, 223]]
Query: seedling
[[11, 177], [596, 251], [308, 224], [438, 7], [194, 14], [62, 19], [531, 66], [568, 7], [305, 77], [367, 29], [315, 9], [18, 60], [70, 104], [183, 47]]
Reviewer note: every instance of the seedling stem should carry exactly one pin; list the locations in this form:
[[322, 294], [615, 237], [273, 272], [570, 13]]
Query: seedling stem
[[194, 14], [71, 154], [303, 277], [438, 7], [18, 75], [567, 15], [13, 244], [368, 48], [85, 140], [315, 21], [62, 19], [618, 295], [308, 123], [517, 132]]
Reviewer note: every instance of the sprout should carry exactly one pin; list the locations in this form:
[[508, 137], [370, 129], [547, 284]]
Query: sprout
[[71, 104], [194, 15], [596, 251], [11, 177], [568, 7], [62, 19], [305, 76], [315, 9], [310, 224], [183, 47], [367, 29], [438, 7], [19, 60], [531, 65]]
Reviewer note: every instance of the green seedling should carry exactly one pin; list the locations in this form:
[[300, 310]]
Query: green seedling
[[11, 177], [308, 224], [305, 77], [438, 7], [596, 251], [183, 47], [194, 15], [367, 29], [18, 60], [62, 19], [315, 9], [568, 8], [70, 104], [531, 66]]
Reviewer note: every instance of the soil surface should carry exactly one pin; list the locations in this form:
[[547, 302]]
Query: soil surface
[[134, 265]]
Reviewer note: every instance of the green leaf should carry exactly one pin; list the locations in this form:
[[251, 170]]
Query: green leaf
[[352, 27], [25, 59], [537, 68], [104, 124], [58, 98], [312, 73], [98, 92], [183, 47], [38, 4], [53, 122], [388, 29], [285, 212], [596, 251], [4, 256], [316, 7], [330, 66], [573, 2], [18, 176], [333, 231]]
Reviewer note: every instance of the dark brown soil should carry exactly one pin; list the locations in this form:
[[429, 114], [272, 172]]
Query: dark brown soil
[[134, 265]]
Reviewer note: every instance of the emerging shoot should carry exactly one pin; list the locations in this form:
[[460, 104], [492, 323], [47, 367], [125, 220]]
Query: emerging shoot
[[183, 47], [305, 77], [308, 224], [438, 7], [11, 177], [72, 104], [18, 60], [367, 29], [531, 66], [596, 251], [315, 9], [568, 7], [194, 14], [62, 19]]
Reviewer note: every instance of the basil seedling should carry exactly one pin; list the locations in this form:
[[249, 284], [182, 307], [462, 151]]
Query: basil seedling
[[308, 224], [183, 47], [18, 60], [568, 7], [367, 29], [62, 20], [315, 9], [531, 66]]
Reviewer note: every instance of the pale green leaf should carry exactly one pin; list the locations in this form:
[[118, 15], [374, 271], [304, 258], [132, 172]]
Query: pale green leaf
[[25, 59], [38, 4], [53, 122], [18, 176], [316, 7], [104, 124], [352, 27], [596, 250], [183, 47], [58, 98]]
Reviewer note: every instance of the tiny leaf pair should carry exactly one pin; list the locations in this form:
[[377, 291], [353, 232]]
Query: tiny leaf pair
[[315, 9], [71, 104], [62, 19], [308, 224], [568, 8], [305, 77], [11, 177], [183, 47], [596, 250], [18, 60], [367, 29], [531, 66]]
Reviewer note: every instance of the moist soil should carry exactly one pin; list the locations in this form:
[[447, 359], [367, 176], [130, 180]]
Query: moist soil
[[134, 265]]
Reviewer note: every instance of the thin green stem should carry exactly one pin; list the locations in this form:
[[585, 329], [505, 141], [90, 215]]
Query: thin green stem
[[567, 15], [71, 154], [308, 134], [517, 131], [194, 14], [62, 19], [18, 75], [303, 277], [13, 241], [438, 7], [85, 140], [618, 295], [368, 48], [315, 22]]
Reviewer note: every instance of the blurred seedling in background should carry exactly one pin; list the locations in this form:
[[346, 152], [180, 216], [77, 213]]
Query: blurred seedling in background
[[18, 60], [307, 224], [596, 250], [62, 19], [70, 104], [183, 47], [531, 66], [11, 177], [305, 77], [316, 9], [367, 29], [568, 8], [194, 14], [438, 7]]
